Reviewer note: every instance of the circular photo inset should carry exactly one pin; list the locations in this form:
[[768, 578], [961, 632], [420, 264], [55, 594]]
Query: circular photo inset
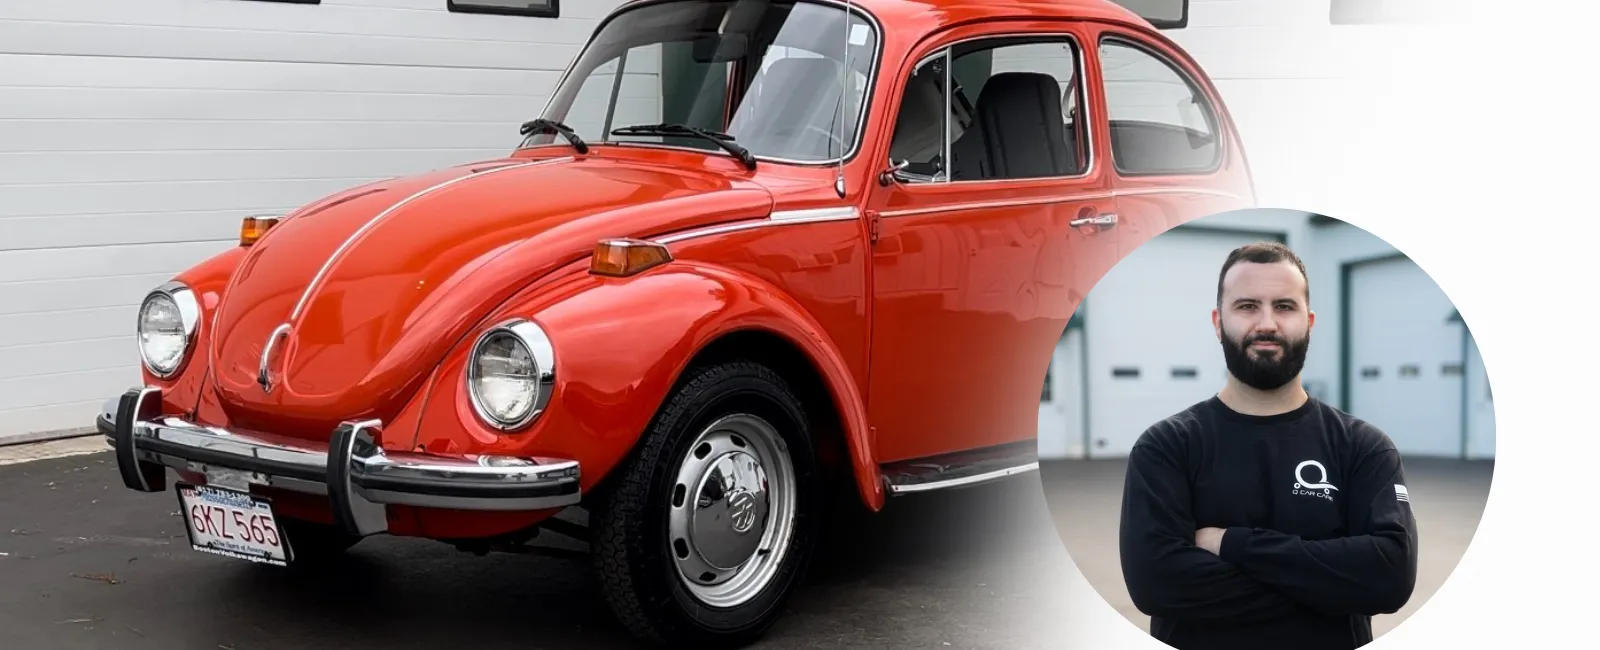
[[1266, 427]]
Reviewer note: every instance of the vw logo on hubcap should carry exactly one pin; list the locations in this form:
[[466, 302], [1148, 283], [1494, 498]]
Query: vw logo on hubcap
[[742, 511]]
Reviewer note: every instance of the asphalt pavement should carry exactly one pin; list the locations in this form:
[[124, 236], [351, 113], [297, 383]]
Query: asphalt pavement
[[1085, 498], [86, 564]]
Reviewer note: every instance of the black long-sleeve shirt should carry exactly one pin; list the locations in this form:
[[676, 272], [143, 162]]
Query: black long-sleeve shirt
[[1319, 536]]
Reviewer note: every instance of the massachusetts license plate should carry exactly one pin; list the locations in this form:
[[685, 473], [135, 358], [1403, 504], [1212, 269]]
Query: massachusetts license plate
[[232, 524]]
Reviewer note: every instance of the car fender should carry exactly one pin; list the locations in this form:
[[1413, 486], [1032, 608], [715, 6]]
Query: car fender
[[207, 280], [621, 345]]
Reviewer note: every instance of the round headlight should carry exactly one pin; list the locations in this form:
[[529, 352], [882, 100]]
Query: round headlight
[[166, 326], [510, 374]]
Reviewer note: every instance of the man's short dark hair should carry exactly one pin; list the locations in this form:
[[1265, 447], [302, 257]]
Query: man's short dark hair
[[1262, 253]]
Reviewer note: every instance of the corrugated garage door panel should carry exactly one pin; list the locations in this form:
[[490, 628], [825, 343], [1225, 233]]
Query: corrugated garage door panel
[[135, 135], [166, 196], [232, 134]]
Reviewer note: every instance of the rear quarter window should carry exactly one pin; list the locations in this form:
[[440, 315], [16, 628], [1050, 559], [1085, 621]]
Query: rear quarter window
[[1160, 121]]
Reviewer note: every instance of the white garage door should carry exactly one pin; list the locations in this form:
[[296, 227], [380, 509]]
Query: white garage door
[[1480, 406], [135, 135], [1405, 357], [1061, 402], [1152, 351]]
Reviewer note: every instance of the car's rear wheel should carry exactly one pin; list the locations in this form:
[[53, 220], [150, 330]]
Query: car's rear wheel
[[702, 537]]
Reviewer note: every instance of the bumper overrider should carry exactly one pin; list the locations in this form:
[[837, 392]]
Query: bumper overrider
[[357, 476]]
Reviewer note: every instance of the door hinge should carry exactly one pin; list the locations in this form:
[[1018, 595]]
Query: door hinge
[[872, 226]]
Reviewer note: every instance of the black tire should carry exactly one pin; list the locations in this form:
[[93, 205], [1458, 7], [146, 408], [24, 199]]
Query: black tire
[[313, 543], [632, 552]]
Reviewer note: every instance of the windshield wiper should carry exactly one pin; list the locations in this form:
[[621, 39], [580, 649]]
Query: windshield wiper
[[542, 125], [721, 139]]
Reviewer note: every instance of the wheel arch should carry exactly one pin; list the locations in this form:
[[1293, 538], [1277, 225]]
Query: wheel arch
[[624, 346], [824, 413]]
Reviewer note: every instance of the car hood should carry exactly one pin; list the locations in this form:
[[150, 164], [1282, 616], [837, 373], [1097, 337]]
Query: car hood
[[362, 293]]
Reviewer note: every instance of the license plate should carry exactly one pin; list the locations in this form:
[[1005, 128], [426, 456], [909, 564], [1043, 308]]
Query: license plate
[[232, 523]]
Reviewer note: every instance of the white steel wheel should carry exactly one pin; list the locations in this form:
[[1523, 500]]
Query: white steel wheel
[[732, 510]]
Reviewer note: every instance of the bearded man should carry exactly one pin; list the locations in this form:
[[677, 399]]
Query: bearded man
[[1262, 517]]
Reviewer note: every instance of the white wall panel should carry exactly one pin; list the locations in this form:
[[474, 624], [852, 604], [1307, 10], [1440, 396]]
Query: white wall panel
[[235, 135], [68, 325], [86, 230], [55, 70], [373, 19], [24, 37], [69, 356], [165, 103], [59, 387], [50, 296], [95, 261], [178, 195], [45, 422], [135, 135], [42, 167]]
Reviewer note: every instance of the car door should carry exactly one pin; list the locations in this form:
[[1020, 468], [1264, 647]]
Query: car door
[[1173, 157], [977, 264]]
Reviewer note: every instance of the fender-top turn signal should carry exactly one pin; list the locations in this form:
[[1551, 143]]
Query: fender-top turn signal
[[254, 228], [625, 257]]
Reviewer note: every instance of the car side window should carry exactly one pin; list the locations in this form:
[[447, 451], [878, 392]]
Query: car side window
[[1009, 108], [1160, 121], [918, 145]]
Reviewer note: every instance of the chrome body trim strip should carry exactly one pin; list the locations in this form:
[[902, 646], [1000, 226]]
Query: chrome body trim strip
[[1064, 198], [847, 213], [1008, 203], [784, 218], [964, 481], [333, 258], [816, 214]]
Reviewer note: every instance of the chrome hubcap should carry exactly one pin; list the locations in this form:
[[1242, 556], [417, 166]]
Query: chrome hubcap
[[732, 510]]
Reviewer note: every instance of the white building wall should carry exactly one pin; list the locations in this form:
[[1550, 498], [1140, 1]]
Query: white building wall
[[1287, 72], [134, 135]]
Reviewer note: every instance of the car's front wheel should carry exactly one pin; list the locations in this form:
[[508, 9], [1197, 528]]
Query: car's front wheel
[[703, 536]]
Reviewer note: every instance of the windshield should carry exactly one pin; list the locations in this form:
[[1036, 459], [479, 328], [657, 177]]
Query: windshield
[[767, 72]]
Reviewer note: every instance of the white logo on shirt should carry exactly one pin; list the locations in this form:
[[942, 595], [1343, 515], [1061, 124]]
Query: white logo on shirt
[[1400, 493], [1319, 488]]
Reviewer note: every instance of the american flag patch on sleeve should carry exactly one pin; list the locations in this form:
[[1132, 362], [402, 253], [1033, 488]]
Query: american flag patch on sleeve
[[1400, 493]]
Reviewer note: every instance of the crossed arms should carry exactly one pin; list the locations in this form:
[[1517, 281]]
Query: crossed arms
[[1254, 574]]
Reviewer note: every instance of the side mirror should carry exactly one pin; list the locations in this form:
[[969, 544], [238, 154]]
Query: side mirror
[[892, 174]]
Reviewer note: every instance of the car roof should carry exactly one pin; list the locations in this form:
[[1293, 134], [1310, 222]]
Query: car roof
[[932, 15], [955, 11]]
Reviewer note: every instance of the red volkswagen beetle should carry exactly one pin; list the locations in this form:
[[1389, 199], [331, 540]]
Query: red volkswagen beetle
[[752, 250]]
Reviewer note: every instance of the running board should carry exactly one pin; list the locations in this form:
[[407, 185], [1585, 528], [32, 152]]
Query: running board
[[961, 469]]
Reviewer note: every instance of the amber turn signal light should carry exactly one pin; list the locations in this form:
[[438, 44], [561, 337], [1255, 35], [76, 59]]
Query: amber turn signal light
[[254, 228], [624, 257]]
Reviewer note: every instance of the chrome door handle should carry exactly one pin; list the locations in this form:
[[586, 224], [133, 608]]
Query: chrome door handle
[[1105, 220]]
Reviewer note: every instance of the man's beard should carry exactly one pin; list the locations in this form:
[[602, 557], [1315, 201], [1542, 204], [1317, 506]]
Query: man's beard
[[1266, 372]]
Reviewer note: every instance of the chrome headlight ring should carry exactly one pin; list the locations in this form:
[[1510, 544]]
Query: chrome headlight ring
[[521, 342], [170, 310]]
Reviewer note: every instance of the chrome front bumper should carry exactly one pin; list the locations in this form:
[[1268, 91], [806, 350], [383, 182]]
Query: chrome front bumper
[[357, 476]]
